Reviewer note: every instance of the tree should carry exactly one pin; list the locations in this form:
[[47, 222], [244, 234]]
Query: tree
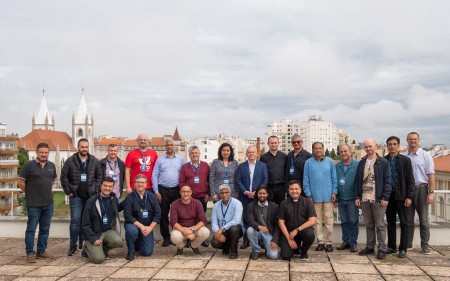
[[337, 149], [353, 142], [333, 154], [327, 153], [23, 158]]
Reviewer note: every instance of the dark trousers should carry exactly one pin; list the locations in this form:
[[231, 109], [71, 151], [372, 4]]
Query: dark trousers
[[406, 216], [304, 240], [420, 205], [168, 195], [202, 200], [278, 192], [232, 236]]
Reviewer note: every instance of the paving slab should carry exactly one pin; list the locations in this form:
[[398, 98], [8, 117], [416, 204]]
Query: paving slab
[[221, 275], [406, 278], [434, 270], [189, 255], [192, 264], [177, 274], [7, 277], [16, 269], [300, 276], [313, 258], [268, 266], [7, 259], [310, 267], [354, 268], [349, 259], [266, 276], [403, 270], [134, 273], [51, 271], [87, 271], [438, 261], [147, 262], [74, 278], [34, 278], [358, 276], [394, 260], [68, 261], [227, 264], [111, 262]]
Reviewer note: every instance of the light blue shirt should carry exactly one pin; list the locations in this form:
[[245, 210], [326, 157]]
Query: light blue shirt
[[226, 215], [423, 165], [319, 179], [167, 172]]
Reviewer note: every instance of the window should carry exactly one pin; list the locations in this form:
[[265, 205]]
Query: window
[[80, 132]]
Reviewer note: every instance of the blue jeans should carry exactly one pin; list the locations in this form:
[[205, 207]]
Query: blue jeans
[[43, 216], [138, 242], [255, 236], [76, 209], [349, 214]]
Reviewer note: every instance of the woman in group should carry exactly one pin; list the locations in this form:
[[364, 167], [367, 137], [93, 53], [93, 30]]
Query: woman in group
[[222, 171]]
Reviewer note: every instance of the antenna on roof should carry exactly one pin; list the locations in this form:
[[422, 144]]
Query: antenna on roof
[[43, 90], [82, 91]]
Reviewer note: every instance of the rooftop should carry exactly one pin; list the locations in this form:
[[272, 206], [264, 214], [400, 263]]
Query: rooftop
[[212, 265]]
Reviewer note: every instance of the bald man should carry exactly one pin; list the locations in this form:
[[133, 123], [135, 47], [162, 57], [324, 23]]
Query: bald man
[[373, 186], [140, 161]]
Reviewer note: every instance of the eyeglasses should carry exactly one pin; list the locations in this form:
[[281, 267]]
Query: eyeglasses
[[294, 142], [140, 182], [224, 192]]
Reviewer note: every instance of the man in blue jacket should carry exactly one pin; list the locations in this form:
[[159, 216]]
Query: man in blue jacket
[[346, 196], [373, 185], [320, 185], [249, 175]]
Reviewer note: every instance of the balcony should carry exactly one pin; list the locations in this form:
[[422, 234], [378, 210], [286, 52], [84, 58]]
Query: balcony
[[9, 151], [9, 164]]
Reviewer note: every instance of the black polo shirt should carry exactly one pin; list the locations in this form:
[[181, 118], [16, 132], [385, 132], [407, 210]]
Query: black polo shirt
[[296, 213], [38, 183], [276, 166]]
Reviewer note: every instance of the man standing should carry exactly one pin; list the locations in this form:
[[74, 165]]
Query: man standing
[[36, 179], [296, 219], [373, 185], [226, 223], [100, 223], [423, 169], [275, 161], [402, 180], [188, 221], [140, 161], [346, 196], [263, 224], [295, 161], [165, 179], [249, 175], [320, 185], [113, 167], [141, 212], [80, 178]]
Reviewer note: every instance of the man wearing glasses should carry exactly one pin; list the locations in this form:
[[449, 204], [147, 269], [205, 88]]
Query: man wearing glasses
[[296, 161]]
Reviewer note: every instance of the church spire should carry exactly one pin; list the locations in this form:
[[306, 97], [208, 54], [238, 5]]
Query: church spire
[[43, 120]]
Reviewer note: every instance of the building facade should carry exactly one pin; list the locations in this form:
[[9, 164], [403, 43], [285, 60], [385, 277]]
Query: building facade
[[8, 171]]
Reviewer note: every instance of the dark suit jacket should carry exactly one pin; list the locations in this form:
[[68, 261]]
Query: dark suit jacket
[[242, 179], [272, 224]]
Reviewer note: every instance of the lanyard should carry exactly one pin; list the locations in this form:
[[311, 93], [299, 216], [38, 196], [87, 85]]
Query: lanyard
[[226, 169], [196, 169], [294, 159], [139, 200], [349, 167], [110, 167], [83, 167], [142, 155], [226, 210], [105, 210]]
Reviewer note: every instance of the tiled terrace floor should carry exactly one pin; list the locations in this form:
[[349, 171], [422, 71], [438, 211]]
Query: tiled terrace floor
[[212, 265]]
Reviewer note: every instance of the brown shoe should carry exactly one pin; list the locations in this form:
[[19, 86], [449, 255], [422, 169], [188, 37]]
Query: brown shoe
[[31, 259], [320, 247], [354, 248], [196, 251], [343, 246], [44, 255], [179, 252]]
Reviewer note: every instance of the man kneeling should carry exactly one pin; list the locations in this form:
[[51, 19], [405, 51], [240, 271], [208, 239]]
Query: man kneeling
[[100, 223], [188, 221]]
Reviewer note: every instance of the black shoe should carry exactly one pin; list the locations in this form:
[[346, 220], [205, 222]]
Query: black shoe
[[188, 244], [245, 244], [320, 247], [390, 251], [367, 251], [179, 252], [381, 254], [80, 246], [72, 250], [130, 257], [254, 255], [304, 257], [196, 251], [343, 246], [84, 254], [225, 251], [402, 254], [166, 243], [106, 255], [205, 243], [233, 256], [329, 248]]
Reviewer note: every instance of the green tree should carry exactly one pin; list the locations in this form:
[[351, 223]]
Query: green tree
[[23, 158], [353, 142], [337, 149], [333, 154], [327, 153]]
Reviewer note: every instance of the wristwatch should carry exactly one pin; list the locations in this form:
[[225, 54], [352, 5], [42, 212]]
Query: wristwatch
[[193, 229], [431, 191]]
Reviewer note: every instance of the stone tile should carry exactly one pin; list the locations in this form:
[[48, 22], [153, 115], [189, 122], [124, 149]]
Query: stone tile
[[398, 269], [358, 276], [68, 261], [310, 267], [192, 264], [74, 278], [266, 276], [33, 278], [147, 262], [406, 278], [354, 268], [14, 251], [313, 258], [16, 269], [7, 277], [126, 279], [177, 274], [52, 271], [271, 266], [241, 256], [440, 278], [227, 264], [188, 255], [300, 276], [390, 259], [434, 270], [22, 261], [349, 259], [7, 259], [221, 275], [437, 261], [135, 273], [92, 272], [114, 262]]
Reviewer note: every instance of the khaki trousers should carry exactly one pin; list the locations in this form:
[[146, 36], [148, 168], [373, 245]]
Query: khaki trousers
[[110, 239], [179, 239], [324, 212]]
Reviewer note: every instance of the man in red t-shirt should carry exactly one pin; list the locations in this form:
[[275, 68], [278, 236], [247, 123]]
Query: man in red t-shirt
[[140, 161]]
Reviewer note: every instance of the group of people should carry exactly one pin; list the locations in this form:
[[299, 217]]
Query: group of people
[[278, 204]]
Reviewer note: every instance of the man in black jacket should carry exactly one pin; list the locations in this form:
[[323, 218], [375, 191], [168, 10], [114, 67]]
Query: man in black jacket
[[112, 166], [80, 179], [263, 224], [295, 161], [100, 223], [401, 198]]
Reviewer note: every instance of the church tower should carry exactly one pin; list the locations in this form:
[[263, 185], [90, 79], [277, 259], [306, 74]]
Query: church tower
[[83, 125], [42, 120]]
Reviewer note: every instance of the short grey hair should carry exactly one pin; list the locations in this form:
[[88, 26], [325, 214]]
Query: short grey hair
[[224, 186], [193, 147]]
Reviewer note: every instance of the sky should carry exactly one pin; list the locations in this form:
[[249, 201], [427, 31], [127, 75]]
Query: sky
[[374, 68]]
